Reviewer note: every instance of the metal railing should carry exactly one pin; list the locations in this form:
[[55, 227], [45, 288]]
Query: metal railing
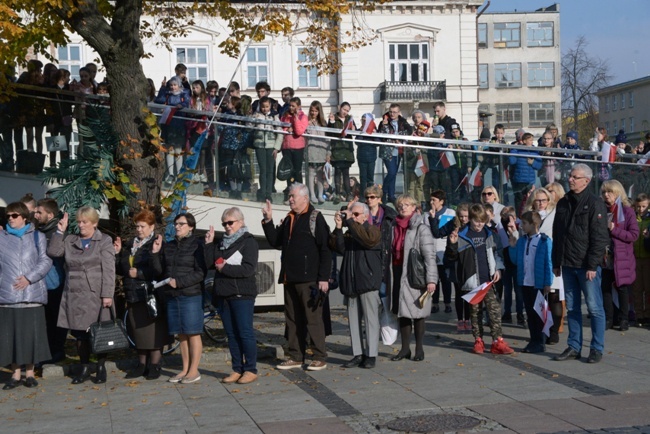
[[423, 91]]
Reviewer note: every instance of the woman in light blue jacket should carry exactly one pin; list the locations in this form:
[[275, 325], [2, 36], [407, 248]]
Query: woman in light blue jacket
[[23, 294]]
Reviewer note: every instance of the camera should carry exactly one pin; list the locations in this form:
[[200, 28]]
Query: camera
[[344, 214]]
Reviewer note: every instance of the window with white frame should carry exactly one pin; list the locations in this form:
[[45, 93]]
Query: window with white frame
[[507, 75], [482, 35], [307, 74], [509, 115], [631, 98], [409, 61], [507, 35], [541, 114], [69, 57], [623, 124], [622, 100], [541, 74], [257, 62], [631, 124], [606, 104], [614, 103], [196, 60], [483, 76], [539, 34]]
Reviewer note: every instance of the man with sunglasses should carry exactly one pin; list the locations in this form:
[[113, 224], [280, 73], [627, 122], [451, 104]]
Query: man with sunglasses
[[359, 280]]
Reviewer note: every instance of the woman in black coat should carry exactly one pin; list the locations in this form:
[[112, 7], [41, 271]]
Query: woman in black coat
[[235, 259]]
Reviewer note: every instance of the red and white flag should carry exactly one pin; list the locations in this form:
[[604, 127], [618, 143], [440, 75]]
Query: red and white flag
[[167, 115], [505, 176], [463, 182], [618, 216], [447, 159], [475, 179], [420, 167], [542, 309], [608, 153], [476, 295], [348, 126], [369, 123]]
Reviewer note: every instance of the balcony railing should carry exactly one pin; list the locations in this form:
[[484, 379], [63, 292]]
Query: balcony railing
[[423, 91]]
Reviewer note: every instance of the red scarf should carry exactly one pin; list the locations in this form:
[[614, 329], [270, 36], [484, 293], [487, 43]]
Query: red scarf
[[399, 235]]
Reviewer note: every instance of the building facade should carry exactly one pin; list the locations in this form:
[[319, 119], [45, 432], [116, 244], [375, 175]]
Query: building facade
[[519, 69], [626, 106]]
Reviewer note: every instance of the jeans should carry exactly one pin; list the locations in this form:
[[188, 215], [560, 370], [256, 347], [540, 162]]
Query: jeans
[[389, 180], [575, 282], [237, 317], [366, 175]]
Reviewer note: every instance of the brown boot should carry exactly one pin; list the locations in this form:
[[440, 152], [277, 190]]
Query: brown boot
[[232, 378], [248, 377]]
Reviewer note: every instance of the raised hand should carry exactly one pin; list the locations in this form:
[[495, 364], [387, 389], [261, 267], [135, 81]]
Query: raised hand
[[331, 117], [63, 223], [117, 244], [267, 211], [209, 235], [164, 82], [157, 244], [453, 237]]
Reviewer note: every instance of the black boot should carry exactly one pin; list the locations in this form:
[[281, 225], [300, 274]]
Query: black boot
[[83, 375], [100, 377], [154, 372], [138, 371]]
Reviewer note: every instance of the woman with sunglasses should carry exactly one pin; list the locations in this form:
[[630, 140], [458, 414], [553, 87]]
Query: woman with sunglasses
[[181, 261], [235, 259], [23, 294], [489, 195], [383, 217]]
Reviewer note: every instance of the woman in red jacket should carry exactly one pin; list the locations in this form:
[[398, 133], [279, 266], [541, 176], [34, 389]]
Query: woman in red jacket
[[293, 146]]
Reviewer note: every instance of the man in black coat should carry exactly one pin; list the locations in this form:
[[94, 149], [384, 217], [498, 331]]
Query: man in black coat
[[305, 273]]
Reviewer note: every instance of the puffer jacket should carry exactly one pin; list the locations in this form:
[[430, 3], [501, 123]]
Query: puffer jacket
[[386, 242], [264, 135], [441, 226], [234, 280], [342, 150], [644, 223], [165, 96], [299, 123], [184, 261], [522, 172], [580, 231], [623, 237], [543, 266], [19, 256], [361, 265]]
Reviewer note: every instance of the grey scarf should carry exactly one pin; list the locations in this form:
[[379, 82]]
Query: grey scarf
[[229, 240]]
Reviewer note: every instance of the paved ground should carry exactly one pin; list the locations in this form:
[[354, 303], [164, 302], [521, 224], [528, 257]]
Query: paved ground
[[521, 393]]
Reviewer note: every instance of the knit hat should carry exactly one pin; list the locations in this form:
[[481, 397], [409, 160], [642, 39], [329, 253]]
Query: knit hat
[[455, 127], [621, 137], [485, 134], [572, 135], [439, 129]]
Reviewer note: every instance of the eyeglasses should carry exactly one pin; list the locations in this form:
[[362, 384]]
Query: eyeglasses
[[577, 177], [487, 193], [180, 223], [541, 200], [357, 214], [228, 223], [405, 205], [371, 197], [13, 216]]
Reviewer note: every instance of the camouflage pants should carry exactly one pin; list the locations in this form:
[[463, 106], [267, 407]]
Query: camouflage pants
[[493, 307]]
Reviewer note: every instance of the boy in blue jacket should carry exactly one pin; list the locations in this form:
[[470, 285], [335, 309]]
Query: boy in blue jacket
[[532, 253]]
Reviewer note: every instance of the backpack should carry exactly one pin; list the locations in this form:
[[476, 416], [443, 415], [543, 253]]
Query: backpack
[[54, 276]]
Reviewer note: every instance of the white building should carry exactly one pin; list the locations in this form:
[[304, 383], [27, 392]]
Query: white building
[[519, 68]]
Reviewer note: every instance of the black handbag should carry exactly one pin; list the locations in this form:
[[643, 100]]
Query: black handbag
[[107, 336], [285, 168], [416, 271], [152, 303]]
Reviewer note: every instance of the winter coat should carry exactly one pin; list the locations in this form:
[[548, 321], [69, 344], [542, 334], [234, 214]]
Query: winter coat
[[342, 150], [305, 257], [264, 135], [234, 138], [464, 253], [639, 249], [133, 287], [440, 232], [580, 231], [387, 225], [299, 123], [409, 305], [403, 129], [90, 276], [446, 123], [623, 238], [184, 261], [543, 265], [361, 250], [234, 280], [547, 228], [20, 256], [165, 96], [522, 172], [317, 148], [367, 152]]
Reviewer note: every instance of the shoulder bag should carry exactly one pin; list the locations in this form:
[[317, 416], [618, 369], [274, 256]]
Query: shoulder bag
[[416, 272], [107, 336]]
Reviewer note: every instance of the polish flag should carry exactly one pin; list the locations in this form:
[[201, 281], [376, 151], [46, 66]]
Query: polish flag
[[608, 153], [644, 160], [475, 179], [463, 182], [447, 158], [619, 217], [476, 295], [420, 167], [167, 115], [505, 176], [542, 309], [348, 126]]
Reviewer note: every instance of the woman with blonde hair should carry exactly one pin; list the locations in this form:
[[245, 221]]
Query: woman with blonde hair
[[619, 271], [490, 196]]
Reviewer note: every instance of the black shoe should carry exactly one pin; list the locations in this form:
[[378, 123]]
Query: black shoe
[[553, 339], [447, 309], [100, 377], [399, 356], [568, 354], [533, 349], [154, 372], [594, 356], [435, 308], [521, 321], [368, 363], [609, 325], [507, 317], [11, 384], [418, 357], [82, 376], [31, 382], [355, 362], [625, 325], [138, 371]]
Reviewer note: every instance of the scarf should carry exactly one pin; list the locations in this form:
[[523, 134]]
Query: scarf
[[137, 243], [399, 235], [229, 240], [376, 220], [18, 232]]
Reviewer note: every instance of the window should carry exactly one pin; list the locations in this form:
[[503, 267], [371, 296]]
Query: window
[[541, 114], [507, 74], [196, 60], [630, 96], [607, 126], [257, 61], [539, 34], [623, 124], [307, 76], [541, 74], [622, 100], [614, 128], [409, 61], [507, 35], [69, 57], [483, 76], [606, 104], [509, 115], [614, 102], [631, 124], [482, 35]]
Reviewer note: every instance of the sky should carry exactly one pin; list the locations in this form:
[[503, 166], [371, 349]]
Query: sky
[[618, 31]]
